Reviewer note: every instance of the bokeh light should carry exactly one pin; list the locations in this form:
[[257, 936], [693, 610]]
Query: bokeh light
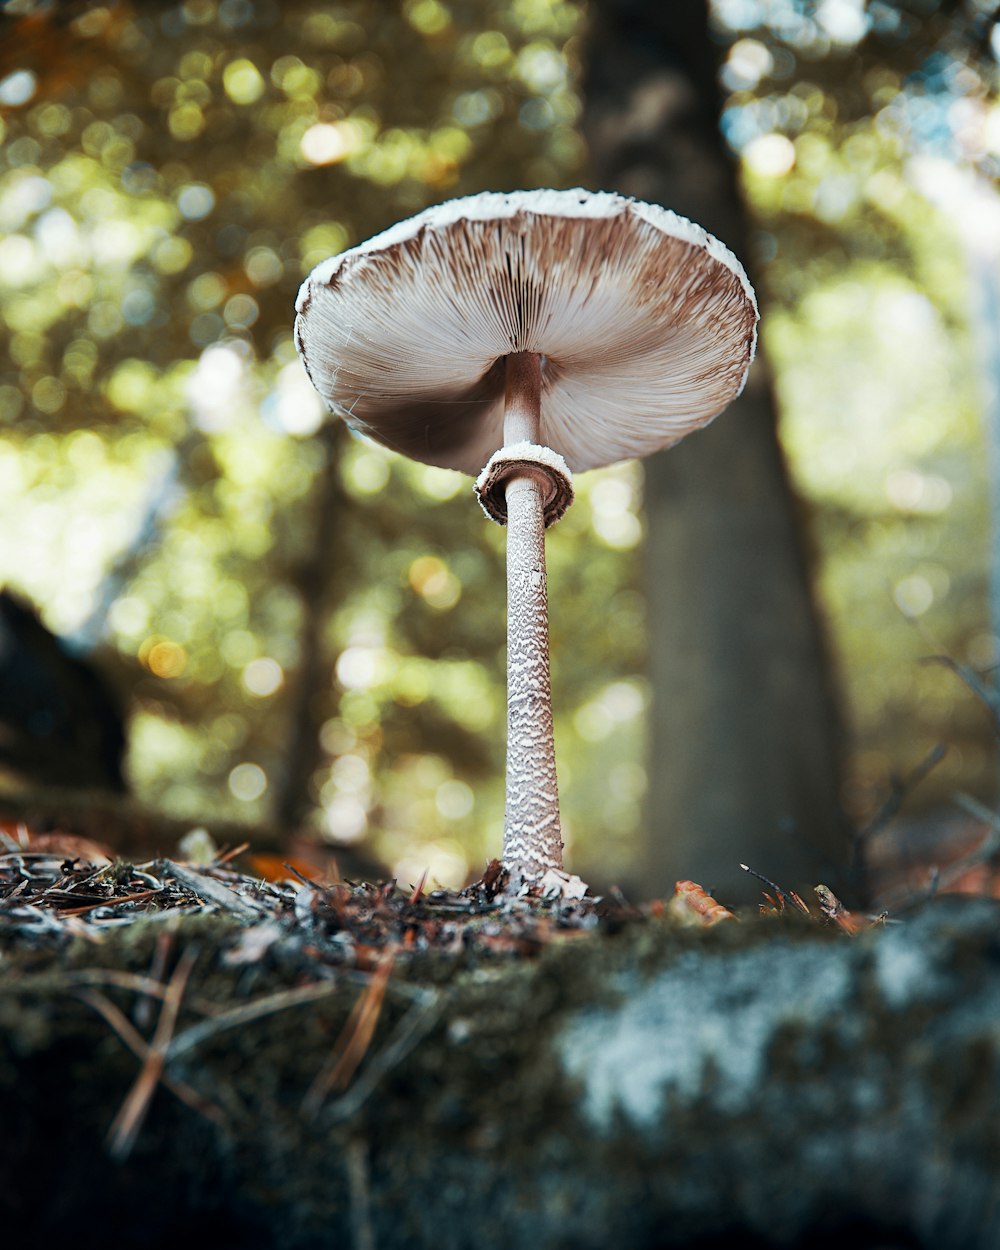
[[303, 624]]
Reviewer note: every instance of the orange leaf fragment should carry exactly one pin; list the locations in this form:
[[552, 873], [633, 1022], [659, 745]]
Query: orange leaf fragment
[[694, 907], [70, 846], [275, 867]]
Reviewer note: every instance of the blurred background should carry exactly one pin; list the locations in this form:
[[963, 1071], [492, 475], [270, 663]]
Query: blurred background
[[302, 633]]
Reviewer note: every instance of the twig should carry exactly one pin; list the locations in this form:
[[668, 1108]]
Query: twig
[[154, 883], [986, 849], [940, 879], [900, 790], [979, 810], [211, 891], [44, 920], [835, 912], [12, 844], [332, 891], [970, 679], [788, 898], [216, 1021]]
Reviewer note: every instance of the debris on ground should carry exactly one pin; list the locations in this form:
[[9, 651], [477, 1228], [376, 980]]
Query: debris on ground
[[59, 887]]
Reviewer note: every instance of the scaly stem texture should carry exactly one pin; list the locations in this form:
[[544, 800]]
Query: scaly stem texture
[[532, 841]]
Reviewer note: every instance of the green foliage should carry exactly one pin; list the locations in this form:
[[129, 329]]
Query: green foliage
[[871, 331], [168, 485], [169, 177]]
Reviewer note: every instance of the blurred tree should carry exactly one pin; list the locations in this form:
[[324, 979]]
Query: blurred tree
[[744, 741], [834, 110], [312, 630], [826, 103]]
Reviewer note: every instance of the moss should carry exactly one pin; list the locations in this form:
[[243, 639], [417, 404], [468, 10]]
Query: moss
[[484, 1108]]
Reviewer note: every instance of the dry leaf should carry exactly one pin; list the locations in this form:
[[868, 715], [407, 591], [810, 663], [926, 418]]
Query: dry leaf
[[694, 907], [70, 846]]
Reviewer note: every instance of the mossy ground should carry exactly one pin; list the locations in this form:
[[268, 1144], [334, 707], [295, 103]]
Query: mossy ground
[[464, 1123]]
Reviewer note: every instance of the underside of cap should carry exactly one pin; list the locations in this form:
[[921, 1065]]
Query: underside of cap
[[644, 323]]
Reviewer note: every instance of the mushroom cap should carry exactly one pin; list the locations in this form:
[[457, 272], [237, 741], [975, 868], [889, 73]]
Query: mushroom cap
[[645, 325]]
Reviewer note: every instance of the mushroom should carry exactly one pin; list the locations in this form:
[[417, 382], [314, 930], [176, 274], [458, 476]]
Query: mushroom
[[538, 333]]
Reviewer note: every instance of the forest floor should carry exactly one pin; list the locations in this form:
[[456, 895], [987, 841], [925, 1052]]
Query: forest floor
[[196, 1040]]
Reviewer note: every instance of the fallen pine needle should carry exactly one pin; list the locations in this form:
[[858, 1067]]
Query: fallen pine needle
[[227, 856], [354, 1039], [129, 1120], [418, 889], [417, 1022], [137, 1044], [195, 1034]]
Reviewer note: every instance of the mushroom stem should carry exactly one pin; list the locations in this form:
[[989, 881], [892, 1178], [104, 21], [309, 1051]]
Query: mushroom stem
[[522, 399], [532, 841]]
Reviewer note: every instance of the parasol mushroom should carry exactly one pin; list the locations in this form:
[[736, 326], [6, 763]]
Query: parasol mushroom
[[538, 333]]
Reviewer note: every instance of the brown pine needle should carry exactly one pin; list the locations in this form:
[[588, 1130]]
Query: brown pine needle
[[137, 1044], [142, 1015], [237, 1017], [354, 1040], [226, 856], [418, 889], [129, 1120], [112, 901], [136, 983]]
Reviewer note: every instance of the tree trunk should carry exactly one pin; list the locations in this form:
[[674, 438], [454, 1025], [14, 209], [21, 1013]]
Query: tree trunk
[[314, 579], [744, 735], [763, 1084]]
